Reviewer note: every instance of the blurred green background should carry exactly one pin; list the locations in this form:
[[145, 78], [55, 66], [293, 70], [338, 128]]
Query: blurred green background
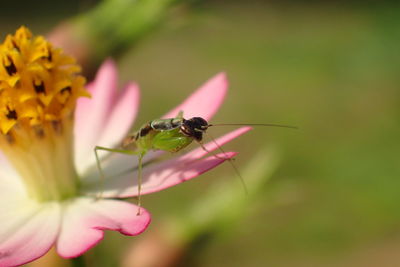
[[329, 67]]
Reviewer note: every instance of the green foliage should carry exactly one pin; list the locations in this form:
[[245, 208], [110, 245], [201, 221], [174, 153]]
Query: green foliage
[[115, 24]]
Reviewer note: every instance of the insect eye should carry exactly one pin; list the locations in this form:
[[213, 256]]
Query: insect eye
[[200, 121]]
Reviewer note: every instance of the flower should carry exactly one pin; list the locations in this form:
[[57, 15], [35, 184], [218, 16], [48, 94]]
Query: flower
[[49, 180]]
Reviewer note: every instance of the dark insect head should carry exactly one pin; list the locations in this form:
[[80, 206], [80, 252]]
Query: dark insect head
[[194, 127]]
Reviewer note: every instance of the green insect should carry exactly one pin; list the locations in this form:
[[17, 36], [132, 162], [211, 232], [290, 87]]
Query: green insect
[[171, 135]]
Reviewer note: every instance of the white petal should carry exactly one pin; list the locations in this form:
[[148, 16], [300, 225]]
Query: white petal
[[10, 182], [28, 230]]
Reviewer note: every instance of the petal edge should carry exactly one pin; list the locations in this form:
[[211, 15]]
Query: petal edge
[[87, 219], [205, 101]]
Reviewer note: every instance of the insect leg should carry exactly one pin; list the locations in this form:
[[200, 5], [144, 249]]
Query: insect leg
[[225, 158], [209, 152], [102, 176], [140, 159]]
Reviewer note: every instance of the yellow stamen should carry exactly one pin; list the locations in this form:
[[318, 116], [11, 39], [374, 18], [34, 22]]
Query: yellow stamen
[[39, 86], [39, 82]]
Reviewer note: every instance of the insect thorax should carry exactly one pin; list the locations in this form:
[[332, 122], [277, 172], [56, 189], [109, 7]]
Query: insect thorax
[[166, 124]]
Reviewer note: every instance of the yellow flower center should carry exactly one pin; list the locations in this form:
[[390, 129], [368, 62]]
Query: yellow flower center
[[38, 83], [39, 86]]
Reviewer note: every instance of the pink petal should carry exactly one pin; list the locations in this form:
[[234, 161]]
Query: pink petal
[[117, 125], [205, 101], [91, 114], [162, 175], [123, 114], [167, 177], [85, 220], [27, 232]]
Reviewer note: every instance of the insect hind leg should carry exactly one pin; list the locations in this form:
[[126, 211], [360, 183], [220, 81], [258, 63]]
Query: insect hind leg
[[98, 164], [140, 163]]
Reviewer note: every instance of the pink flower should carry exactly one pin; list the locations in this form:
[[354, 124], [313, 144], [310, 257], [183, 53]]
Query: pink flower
[[74, 224]]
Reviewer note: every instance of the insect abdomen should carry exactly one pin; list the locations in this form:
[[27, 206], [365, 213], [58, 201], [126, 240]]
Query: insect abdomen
[[166, 124], [143, 131]]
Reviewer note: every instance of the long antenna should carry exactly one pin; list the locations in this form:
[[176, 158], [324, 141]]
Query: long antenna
[[254, 124]]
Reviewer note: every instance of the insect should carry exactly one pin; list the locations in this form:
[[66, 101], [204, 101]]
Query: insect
[[171, 135]]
